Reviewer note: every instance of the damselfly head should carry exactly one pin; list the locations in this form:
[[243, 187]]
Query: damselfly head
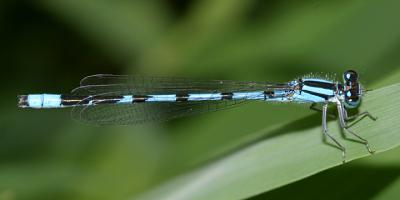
[[352, 90]]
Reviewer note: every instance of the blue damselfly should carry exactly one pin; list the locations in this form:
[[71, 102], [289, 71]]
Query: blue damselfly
[[124, 100]]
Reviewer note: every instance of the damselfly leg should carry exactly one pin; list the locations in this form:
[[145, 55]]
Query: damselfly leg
[[358, 115], [326, 134], [342, 117]]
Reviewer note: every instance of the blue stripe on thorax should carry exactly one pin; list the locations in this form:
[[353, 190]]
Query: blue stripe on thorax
[[326, 89], [312, 93], [318, 90], [303, 97]]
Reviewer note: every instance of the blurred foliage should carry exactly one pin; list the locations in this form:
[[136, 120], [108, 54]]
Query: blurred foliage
[[47, 46]]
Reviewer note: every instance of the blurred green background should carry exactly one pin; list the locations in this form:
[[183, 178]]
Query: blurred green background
[[48, 46]]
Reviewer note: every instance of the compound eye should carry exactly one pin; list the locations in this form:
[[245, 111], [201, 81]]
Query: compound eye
[[352, 99], [351, 96], [350, 75]]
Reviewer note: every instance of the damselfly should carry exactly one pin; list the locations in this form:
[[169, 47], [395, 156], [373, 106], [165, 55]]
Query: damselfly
[[123, 100]]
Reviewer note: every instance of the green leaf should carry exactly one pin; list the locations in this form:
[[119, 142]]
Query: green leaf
[[373, 177], [348, 182], [283, 156]]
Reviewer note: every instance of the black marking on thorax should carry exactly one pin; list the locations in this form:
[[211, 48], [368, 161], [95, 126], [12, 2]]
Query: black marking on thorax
[[323, 85]]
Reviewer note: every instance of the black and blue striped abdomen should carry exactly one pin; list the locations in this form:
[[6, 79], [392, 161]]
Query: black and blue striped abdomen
[[57, 100]]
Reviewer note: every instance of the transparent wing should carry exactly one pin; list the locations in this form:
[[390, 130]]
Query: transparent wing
[[126, 114], [142, 85]]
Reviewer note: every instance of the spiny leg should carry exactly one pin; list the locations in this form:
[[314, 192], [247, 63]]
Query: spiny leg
[[342, 116], [325, 131]]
